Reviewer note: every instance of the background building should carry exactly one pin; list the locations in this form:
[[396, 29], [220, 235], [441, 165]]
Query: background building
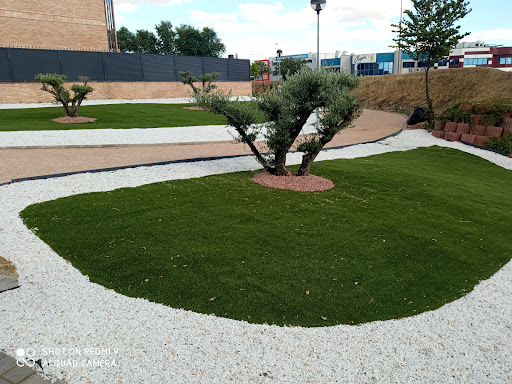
[[86, 25], [309, 57], [467, 55], [464, 55]]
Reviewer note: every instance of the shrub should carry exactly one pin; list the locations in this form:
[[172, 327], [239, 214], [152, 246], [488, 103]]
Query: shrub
[[491, 112], [500, 144], [455, 113], [494, 110]]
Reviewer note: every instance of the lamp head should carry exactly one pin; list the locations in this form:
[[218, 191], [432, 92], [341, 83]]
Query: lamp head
[[318, 5]]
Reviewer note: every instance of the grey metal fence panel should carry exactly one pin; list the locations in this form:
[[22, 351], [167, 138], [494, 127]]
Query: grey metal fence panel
[[5, 72], [75, 64], [26, 63], [239, 70], [213, 64], [189, 63], [158, 68], [122, 67], [21, 65]]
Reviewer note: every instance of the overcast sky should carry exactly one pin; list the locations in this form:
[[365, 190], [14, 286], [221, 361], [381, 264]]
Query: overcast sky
[[255, 30]]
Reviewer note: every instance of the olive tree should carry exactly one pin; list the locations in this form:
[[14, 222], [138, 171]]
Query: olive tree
[[206, 80], [54, 84], [287, 112]]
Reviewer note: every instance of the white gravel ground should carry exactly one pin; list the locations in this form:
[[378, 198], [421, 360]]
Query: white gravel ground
[[466, 341], [96, 137]]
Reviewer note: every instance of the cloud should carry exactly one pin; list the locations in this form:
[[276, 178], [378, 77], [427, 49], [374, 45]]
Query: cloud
[[216, 18], [255, 18], [132, 5], [253, 29], [125, 7], [496, 36]]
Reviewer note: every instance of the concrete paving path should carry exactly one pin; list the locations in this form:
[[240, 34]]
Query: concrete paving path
[[12, 373], [21, 163]]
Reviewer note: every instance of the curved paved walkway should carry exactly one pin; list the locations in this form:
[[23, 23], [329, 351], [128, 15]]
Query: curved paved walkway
[[22, 163]]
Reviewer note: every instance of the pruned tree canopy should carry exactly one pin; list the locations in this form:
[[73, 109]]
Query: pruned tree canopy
[[54, 84], [287, 112], [206, 80]]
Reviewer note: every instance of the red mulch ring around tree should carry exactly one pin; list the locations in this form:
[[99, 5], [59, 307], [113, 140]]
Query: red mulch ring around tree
[[308, 183], [72, 120], [194, 108]]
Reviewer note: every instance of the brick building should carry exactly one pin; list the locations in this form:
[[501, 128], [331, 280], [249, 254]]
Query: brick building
[[66, 25]]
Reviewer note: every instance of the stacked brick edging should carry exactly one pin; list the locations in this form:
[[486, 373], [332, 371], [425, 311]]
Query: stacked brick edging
[[472, 133], [13, 93]]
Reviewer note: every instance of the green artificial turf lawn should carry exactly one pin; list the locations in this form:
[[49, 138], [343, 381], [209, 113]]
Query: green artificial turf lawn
[[109, 116], [400, 234]]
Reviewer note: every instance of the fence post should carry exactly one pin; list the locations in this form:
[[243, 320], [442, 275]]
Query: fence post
[[228, 75], [141, 66], [103, 65], [175, 68], [60, 62], [9, 63]]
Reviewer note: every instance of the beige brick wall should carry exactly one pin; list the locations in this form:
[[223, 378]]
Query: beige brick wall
[[13, 93], [51, 24]]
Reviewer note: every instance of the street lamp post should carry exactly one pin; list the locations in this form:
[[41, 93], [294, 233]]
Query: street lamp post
[[279, 52], [317, 6]]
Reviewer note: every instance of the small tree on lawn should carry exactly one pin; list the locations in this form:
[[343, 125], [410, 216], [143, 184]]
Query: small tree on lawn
[[53, 83], [287, 112], [430, 33], [206, 80]]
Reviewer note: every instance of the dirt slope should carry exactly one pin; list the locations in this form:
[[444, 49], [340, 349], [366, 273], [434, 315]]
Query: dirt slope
[[402, 92]]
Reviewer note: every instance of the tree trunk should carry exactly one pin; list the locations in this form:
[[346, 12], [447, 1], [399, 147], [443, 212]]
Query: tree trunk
[[280, 169], [307, 160], [67, 112], [75, 107], [254, 150], [430, 111]]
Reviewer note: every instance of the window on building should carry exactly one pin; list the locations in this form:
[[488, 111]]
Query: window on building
[[454, 62], [478, 61], [385, 68], [408, 64], [442, 63], [422, 64], [370, 69], [505, 60]]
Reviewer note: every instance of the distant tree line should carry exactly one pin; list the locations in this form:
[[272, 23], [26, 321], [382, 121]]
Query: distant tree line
[[184, 40]]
